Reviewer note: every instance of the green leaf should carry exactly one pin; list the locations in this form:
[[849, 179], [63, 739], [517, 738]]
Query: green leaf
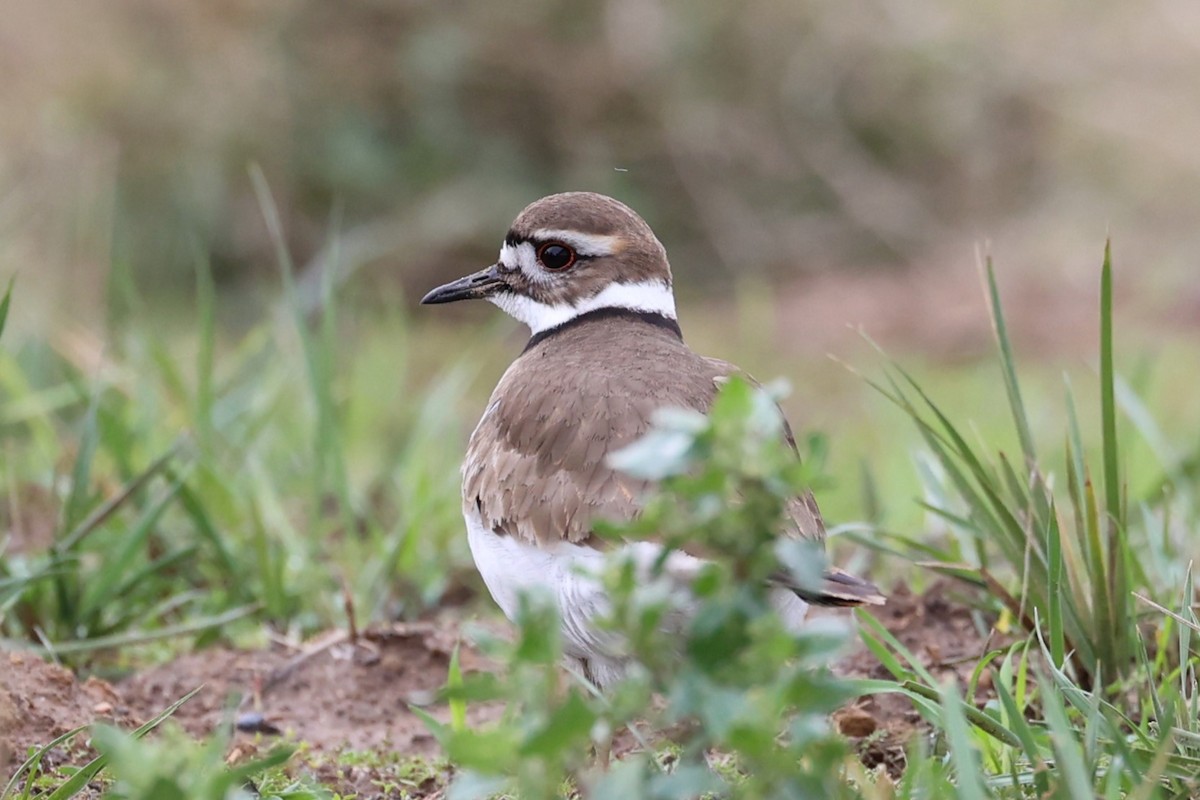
[[537, 618], [493, 752], [440, 730], [454, 680], [470, 785], [666, 449], [686, 780], [567, 728]]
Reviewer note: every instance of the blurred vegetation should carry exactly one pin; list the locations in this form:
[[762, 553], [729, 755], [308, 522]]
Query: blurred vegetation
[[762, 139]]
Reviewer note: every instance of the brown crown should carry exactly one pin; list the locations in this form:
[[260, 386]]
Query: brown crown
[[639, 255]]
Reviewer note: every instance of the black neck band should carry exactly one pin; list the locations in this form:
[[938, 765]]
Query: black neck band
[[648, 317]]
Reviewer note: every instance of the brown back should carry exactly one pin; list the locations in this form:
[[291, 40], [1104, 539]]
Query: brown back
[[536, 464]]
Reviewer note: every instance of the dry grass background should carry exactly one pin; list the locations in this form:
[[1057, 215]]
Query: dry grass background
[[766, 139]]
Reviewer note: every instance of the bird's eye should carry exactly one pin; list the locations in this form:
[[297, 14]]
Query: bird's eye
[[555, 256]]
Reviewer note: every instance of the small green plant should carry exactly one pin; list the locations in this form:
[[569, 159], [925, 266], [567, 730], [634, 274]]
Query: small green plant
[[168, 765], [32, 775], [729, 676], [740, 682], [173, 765]]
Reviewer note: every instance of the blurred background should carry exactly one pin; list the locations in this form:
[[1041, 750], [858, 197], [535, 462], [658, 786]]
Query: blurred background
[[813, 168], [768, 142]]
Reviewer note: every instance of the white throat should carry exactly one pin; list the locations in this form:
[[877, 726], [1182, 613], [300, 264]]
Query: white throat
[[653, 297]]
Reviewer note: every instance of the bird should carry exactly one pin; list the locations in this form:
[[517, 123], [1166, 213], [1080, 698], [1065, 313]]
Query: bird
[[592, 282]]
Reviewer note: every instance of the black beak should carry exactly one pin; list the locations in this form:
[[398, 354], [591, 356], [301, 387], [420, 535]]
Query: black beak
[[475, 286]]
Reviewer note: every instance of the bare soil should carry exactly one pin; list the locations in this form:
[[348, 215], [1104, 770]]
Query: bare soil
[[948, 635], [337, 696]]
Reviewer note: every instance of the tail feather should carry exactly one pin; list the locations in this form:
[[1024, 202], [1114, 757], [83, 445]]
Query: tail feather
[[838, 588]]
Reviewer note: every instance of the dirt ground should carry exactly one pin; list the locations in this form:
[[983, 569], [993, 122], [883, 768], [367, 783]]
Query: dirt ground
[[336, 696], [947, 634]]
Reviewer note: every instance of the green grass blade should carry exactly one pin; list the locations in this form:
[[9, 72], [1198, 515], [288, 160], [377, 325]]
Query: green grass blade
[[1007, 364], [1155, 770], [192, 506], [99, 591], [141, 637], [65, 590], [101, 513], [1187, 671], [81, 471], [926, 706], [458, 706], [1070, 763], [1008, 531], [1077, 550], [1108, 405], [77, 782], [148, 575], [1102, 615], [898, 544], [1058, 647], [984, 722], [1189, 623], [319, 359], [34, 761], [963, 752], [1119, 599], [4, 304], [883, 643], [1024, 732], [1151, 684], [206, 315], [1075, 463]]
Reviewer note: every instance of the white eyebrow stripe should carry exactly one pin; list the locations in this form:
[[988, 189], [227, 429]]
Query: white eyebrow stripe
[[652, 296], [585, 244]]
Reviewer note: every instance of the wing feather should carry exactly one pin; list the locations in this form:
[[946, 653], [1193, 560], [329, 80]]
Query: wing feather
[[536, 465]]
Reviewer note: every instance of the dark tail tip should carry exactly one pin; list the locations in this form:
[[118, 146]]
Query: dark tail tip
[[840, 589]]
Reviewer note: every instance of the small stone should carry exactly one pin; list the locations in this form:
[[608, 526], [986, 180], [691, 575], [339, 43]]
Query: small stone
[[254, 722], [856, 723]]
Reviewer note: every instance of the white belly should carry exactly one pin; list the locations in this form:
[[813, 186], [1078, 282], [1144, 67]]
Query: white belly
[[570, 575], [567, 573]]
